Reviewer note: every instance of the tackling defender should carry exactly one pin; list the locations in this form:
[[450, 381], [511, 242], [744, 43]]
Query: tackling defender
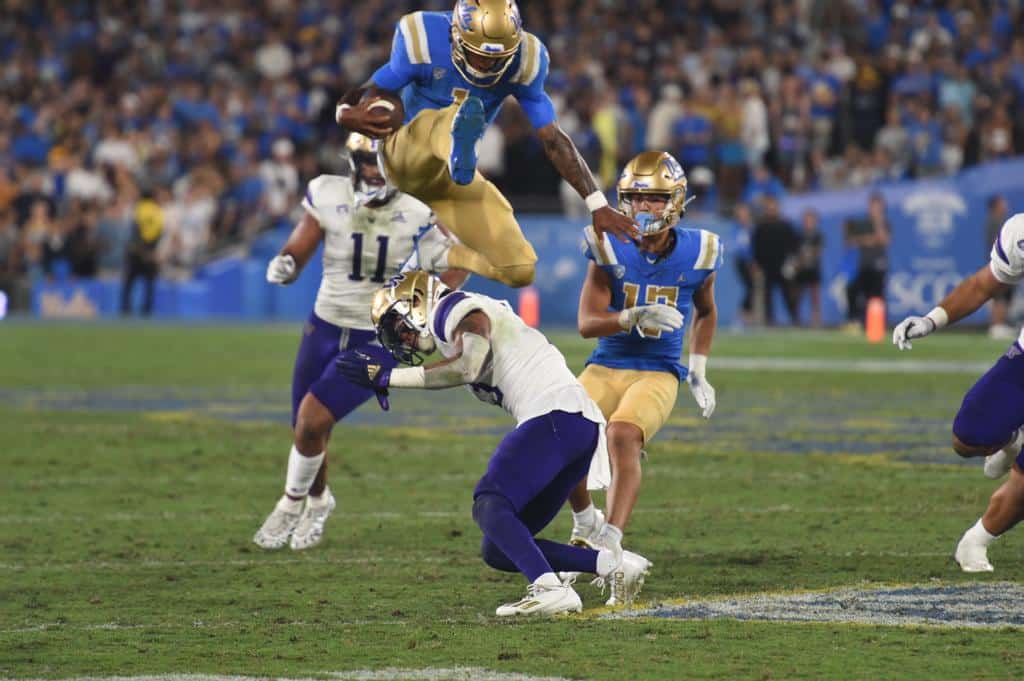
[[636, 301], [368, 230], [454, 70], [991, 416], [558, 438]]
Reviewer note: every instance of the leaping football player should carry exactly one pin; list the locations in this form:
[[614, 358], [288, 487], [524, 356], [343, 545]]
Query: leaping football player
[[558, 440], [454, 70], [991, 416], [368, 229], [636, 300]]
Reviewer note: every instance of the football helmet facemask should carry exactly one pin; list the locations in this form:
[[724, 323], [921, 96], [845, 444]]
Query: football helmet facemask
[[401, 313], [485, 28], [362, 151], [653, 173]]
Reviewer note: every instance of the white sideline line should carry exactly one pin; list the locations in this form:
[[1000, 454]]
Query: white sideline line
[[385, 674], [866, 366]]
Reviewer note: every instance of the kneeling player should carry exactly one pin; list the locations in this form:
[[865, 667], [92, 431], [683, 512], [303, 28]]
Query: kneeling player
[[636, 300], [369, 230], [558, 438], [991, 416]]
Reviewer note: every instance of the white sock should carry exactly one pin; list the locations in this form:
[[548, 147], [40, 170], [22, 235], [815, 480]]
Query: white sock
[[289, 505], [587, 516], [548, 579], [302, 471], [1013, 449], [317, 502], [979, 534], [605, 562]]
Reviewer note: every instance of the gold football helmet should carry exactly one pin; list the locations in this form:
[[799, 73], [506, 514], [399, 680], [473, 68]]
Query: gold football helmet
[[653, 173], [363, 151], [401, 312], [485, 28]]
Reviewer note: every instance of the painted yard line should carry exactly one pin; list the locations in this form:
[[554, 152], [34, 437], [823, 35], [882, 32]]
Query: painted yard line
[[194, 624], [385, 674], [405, 558], [867, 366]]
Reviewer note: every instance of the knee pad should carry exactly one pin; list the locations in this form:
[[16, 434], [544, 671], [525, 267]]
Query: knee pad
[[516, 276]]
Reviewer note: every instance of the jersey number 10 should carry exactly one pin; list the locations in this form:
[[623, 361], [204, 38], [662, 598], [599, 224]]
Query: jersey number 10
[[357, 258]]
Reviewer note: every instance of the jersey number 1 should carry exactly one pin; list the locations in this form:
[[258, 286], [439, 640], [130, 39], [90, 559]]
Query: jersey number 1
[[357, 258]]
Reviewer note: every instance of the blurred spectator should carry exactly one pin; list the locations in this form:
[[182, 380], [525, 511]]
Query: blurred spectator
[[807, 265], [9, 257], [141, 255], [664, 114], [870, 235], [894, 140], [82, 245], [754, 130], [743, 258], [998, 212], [762, 185], [774, 242]]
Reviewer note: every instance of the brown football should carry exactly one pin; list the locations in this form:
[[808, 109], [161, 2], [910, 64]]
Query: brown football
[[376, 100]]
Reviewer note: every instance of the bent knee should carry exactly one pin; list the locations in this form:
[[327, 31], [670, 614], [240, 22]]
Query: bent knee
[[968, 451], [516, 276], [312, 430]]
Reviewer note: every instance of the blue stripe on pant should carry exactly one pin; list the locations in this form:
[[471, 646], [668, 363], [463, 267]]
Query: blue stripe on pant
[[527, 482]]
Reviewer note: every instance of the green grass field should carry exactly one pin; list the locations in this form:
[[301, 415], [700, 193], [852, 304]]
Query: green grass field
[[137, 461]]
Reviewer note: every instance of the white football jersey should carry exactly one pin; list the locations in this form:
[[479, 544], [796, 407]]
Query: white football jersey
[[526, 375], [1007, 258], [363, 247]]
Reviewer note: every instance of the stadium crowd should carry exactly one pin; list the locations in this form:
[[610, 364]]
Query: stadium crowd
[[210, 117]]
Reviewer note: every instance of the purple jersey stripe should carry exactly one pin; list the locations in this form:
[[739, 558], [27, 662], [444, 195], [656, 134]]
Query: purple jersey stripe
[[999, 248], [447, 303], [309, 198]]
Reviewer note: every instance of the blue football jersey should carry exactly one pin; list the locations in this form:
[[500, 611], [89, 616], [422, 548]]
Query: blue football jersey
[[638, 279], [421, 68]]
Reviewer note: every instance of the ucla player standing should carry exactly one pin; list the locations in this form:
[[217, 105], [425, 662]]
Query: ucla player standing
[[990, 422], [368, 229], [637, 300], [454, 70]]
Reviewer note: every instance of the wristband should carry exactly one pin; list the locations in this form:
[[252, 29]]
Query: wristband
[[626, 320], [939, 317], [339, 111], [698, 364], [596, 201], [407, 377]]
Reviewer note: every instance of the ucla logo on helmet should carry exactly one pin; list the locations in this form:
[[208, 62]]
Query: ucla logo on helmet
[[466, 15], [675, 170]]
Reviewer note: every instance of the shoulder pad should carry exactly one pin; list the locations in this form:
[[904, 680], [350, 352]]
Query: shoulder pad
[[709, 257], [414, 34], [532, 54], [602, 250]]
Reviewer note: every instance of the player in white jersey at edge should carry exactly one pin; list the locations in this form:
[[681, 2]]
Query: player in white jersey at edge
[[991, 416], [369, 230], [558, 439]]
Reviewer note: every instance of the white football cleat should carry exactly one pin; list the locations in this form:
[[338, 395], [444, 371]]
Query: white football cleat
[[583, 535], [278, 526], [999, 464], [544, 599], [972, 556], [310, 529], [628, 578], [430, 252]]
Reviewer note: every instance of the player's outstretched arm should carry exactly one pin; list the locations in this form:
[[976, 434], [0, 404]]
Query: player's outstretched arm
[[570, 165], [472, 338], [703, 332], [286, 266], [968, 296]]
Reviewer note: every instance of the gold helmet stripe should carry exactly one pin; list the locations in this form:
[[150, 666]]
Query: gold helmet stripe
[[529, 62], [415, 35], [710, 245], [601, 249]]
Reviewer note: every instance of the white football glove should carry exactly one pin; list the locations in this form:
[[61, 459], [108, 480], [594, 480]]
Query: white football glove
[[703, 392], [281, 270], [910, 328], [609, 537], [657, 316]]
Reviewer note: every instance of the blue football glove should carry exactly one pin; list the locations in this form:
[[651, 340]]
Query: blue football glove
[[363, 370]]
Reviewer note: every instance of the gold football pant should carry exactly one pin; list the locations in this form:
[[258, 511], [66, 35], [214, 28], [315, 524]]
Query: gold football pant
[[643, 398], [492, 244]]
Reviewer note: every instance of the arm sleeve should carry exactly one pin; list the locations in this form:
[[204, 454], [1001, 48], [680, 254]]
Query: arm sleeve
[[1007, 257], [531, 76]]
